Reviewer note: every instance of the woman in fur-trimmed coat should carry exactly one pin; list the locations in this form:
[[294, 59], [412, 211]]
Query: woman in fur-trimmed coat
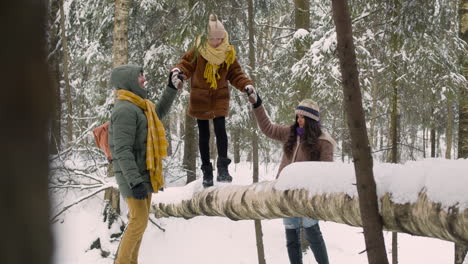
[[211, 66]]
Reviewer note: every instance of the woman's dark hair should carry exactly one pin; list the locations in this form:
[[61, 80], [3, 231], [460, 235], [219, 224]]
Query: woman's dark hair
[[312, 132]]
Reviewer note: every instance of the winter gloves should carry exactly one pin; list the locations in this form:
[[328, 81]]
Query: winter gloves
[[139, 192], [176, 78], [253, 96], [251, 93]]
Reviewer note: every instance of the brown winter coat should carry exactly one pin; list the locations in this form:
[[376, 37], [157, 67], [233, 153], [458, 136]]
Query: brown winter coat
[[281, 133], [205, 102]]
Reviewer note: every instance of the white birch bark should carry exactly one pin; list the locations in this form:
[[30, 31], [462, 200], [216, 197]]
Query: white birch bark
[[263, 201]]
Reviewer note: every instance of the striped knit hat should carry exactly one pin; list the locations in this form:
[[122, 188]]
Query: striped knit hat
[[308, 108]]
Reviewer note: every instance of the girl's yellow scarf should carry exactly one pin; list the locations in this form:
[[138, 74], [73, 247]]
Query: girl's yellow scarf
[[215, 57], [156, 143]]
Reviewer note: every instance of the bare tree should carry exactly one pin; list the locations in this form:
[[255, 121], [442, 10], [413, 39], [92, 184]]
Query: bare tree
[[460, 251], [54, 62], [257, 223], [190, 148], [65, 74], [372, 222], [119, 57], [26, 111]]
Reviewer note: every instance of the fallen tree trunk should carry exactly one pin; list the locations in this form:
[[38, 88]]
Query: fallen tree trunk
[[425, 213], [263, 201]]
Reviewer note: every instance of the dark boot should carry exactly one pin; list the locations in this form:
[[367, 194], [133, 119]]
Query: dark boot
[[207, 170], [223, 172], [317, 244], [294, 246]]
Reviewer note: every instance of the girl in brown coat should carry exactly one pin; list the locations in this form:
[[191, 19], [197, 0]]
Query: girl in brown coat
[[303, 141], [210, 66]]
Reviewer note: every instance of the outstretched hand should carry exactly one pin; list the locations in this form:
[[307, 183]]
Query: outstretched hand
[[251, 93], [176, 79], [253, 97]]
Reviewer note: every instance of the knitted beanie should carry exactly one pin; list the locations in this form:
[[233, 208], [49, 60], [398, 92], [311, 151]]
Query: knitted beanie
[[215, 28], [308, 108]]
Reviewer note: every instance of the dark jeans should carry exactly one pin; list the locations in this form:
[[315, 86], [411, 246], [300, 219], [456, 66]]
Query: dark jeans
[[314, 236], [204, 138]]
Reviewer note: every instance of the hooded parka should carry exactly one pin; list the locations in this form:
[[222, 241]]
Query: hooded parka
[[129, 128]]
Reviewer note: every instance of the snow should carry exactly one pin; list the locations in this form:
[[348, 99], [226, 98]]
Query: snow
[[443, 180], [220, 240]]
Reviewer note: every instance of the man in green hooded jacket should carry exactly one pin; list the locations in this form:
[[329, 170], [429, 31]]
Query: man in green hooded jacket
[[128, 135]]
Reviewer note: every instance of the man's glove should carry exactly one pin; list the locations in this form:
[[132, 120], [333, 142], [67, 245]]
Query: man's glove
[[139, 192], [176, 78], [251, 93]]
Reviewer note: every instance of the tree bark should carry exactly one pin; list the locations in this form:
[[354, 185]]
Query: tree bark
[[463, 99], [119, 57], [301, 14], [26, 110], [55, 139], [449, 129], [372, 222], [190, 148], [264, 201], [120, 47], [257, 223], [461, 251], [394, 155], [302, 20], [65, 75], [236, 144]]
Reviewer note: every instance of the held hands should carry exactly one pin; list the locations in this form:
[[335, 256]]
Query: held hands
[[253, 96], [251, 93], [176, 79], [139, 192]]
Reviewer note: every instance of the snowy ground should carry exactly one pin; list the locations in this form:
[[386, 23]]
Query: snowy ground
[[220, 240]]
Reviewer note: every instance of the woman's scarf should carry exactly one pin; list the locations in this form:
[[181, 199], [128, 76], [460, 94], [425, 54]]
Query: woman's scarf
[[156, 143], [215, 57]]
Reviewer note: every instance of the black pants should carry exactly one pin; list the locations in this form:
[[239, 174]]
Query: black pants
[[204, 138]]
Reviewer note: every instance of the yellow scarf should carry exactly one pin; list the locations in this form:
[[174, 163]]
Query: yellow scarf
[[216, 57], [156, 143]]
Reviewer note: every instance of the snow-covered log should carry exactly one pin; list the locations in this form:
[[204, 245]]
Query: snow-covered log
[[417, 198]]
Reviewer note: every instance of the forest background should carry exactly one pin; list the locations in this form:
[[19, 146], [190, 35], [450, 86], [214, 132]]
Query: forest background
[[410, 58]]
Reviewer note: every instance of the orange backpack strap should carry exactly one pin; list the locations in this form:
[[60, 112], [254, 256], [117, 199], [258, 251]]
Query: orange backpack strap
[[101, 136]]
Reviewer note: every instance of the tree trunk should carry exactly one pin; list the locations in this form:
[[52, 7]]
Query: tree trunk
[[235, 141], [258, 223], [55, 139], [424, 141], [264, 200], [373, 117], [449, 129], [119, 57], [460, 251], [26, 112], [302, 20], [213, 148], [372, 221], [394, 154], [463, 99], [301, 14], [190, 148], [167, 127], [65, 75], [433, 140], [120, 47]]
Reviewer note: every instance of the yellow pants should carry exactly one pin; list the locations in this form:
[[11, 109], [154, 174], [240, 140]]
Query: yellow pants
[[138, 211]]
